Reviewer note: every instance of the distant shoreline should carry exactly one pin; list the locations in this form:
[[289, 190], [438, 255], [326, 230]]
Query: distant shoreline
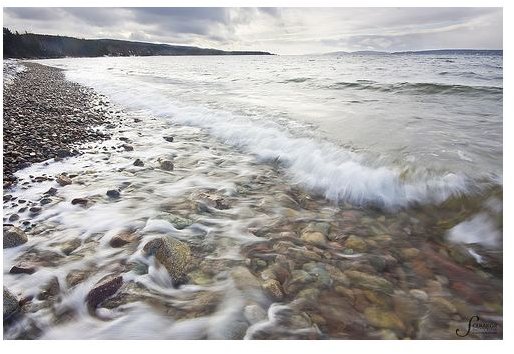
[[40, 46]]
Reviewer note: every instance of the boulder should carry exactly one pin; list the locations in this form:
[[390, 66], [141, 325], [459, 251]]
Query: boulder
[[103, 290], [11, 304], [14, 236], [173, 254]]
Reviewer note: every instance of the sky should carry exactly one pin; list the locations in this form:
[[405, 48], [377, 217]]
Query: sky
[[276, 30]]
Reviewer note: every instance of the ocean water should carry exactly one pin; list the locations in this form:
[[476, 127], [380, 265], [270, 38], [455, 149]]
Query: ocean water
[[395, 159]]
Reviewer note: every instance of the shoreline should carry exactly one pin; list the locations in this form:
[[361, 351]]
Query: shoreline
[[249, 244], [46, 121]]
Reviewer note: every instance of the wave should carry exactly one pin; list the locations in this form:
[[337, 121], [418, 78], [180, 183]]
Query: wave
[[322, 167], [424, 88]]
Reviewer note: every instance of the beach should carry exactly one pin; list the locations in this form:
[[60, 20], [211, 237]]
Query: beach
[[130, 216]]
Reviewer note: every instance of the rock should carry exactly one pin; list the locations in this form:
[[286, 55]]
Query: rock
[[45, 201], [112, 193], [14, 217], [71, 246], [383, 319], [52, 191], [356, 243], [35, 210], [211, 200], [50, 290], [274, 289], [314, 238], [443, 305], [298, 280], [364, 280], [11, 304], [167, 165], [419, 294], [122, 239], [23, 268], [127, 147], [80, 201], [173, 254], [103, 289], [138, 163], [254, 313], [168, 138], [177, 221], [63, 180], [14, 236], [76, 277], [409, 253], [319, 273]]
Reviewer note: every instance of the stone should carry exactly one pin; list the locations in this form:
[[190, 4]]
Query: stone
[[419, 294], [69, 246], [63, 180], [168, 138], [76, 277], [167, 165], [113, 193], [383, 319], [52, 191], [254, 314], [409, 253], [14, 237], [127, 147], [314, 238], [356, 243], [177, 221], [80, 201], [367, 281], [14, 217], [122, 239], [50, 290], [138, 163], [173, 254], [23, 268], [45, 201], [274, 289], [11, 304], [103, 290]]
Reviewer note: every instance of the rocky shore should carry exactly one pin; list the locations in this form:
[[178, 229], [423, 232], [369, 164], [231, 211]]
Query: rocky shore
[[162, 232], [46, 116]]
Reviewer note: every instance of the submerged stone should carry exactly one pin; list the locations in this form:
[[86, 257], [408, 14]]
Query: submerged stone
[[173, 254]]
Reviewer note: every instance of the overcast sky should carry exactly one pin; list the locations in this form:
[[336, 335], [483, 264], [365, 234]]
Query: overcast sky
[[278, 30]]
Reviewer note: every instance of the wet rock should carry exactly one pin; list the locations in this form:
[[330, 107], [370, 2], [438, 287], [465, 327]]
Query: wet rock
[[35, 210], [45, 201], [315, 234], [23, 268], [319, 273], [127, 147], [168, 138], [244, 279], [274, 289], [383, 319], [138, 163], [356, 243], [103, 290], [367, 281], [177, 221], [52, 191], [123, 238], [254, 314], [50, 290], [173, 254], [167, 165], [76, 277], [409, 253], [298, 280], [419, 294], [112, 193], [63, 180], [79, 201], [211, 200], [68, 247], [14, 217], [14, 236], [11, 304]]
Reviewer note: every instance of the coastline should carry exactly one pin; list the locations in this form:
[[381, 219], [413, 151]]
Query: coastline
[[46, 116], [254, 245]]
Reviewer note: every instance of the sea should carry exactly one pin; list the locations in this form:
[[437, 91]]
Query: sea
[[396, 159]]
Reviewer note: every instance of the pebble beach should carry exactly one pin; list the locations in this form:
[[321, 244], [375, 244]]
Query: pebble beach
[[120, 225]]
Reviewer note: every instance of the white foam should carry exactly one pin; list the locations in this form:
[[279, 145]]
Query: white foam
[[322, 167], [479, 229]]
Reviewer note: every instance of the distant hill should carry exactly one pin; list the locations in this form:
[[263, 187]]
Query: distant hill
[[40, 46], [427, 52]]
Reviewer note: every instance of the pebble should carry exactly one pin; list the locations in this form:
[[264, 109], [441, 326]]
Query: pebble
[[168, 138], [112, 193], [80, 201], [138, 163]]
